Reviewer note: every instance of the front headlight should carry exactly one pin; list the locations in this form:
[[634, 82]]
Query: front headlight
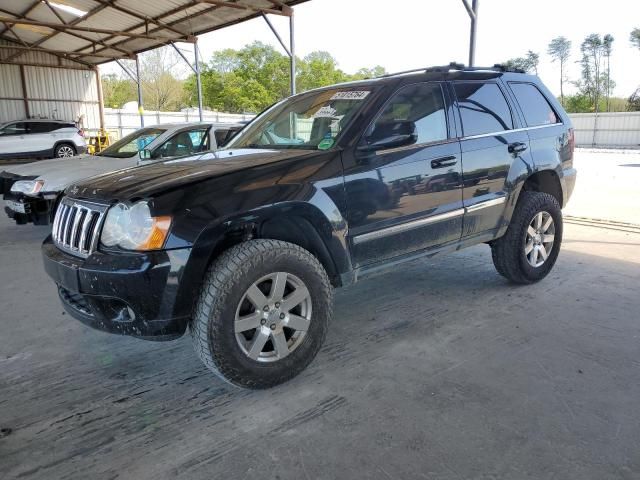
[[27, 187], [133, 228]]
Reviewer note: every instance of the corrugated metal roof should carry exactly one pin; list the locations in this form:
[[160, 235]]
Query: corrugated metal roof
[[89, 32]]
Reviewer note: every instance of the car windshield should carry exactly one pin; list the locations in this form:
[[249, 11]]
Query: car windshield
[[312, 121], [132, 143]]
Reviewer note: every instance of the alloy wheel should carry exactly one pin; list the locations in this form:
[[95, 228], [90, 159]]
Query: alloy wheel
[[539, 239], [65, 151], [273, 317]]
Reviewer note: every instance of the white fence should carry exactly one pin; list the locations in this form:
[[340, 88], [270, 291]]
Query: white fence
[[614, 130], [617, 130], [123, 122]]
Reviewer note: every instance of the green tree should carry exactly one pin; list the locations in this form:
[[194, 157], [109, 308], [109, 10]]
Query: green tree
[[634, 37], [634, 99], [607, 46], [528, 63], [633, 104], [254, 77], [560, 51], [534, 59], [317, 70], [161, 90], [117, 91], [365, 73]]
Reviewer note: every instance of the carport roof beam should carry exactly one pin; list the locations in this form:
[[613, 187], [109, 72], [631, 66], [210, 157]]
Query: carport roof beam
[[284, 9], [68, 55], [62, 27]]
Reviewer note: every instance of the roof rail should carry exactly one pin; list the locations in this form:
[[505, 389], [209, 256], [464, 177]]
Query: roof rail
[[457, 67]]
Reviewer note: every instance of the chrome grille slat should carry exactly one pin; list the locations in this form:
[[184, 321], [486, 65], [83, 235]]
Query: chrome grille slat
[[54, 228], [67, 231], [76, 226], [62, 212], [74, 229], [63, 222], [85, 228]]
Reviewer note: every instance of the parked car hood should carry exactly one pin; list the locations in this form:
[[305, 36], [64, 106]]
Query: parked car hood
[[148, 180], [61, 172]]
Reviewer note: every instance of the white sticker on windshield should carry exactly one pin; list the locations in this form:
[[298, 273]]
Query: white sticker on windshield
[[350, 95], [325, 112]]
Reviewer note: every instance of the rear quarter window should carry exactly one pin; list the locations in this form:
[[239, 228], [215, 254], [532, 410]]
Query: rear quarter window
[[483, 108], [536, 108]]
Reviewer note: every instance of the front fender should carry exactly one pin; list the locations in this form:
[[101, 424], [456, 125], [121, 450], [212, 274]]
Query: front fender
[[315, 224]]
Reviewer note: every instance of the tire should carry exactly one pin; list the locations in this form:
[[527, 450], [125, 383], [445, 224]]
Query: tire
[[227, 295], [64, 150], [513, 254]]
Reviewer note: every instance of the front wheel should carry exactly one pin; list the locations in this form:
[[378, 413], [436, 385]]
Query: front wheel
[[262, 314], [529, 249]]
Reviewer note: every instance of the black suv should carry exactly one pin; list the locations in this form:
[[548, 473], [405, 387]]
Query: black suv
[[244, 246]]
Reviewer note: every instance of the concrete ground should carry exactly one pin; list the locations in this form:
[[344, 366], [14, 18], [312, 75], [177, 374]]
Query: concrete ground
[[439, 370]]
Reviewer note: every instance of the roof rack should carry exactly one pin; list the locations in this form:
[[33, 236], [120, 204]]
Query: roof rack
[[457, 67]]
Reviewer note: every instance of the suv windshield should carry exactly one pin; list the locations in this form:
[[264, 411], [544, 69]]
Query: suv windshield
[[311, 121], [132, 143]]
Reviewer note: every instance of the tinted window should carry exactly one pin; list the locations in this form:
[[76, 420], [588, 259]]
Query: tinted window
[[19, 128], [422, 104], [483, 108], [221, 136], [132, 143], [535, 107], [42, 127], [183, 143], [198, 139]]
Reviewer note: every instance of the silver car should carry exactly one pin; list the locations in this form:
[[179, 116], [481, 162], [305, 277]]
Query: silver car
[[30, 190]]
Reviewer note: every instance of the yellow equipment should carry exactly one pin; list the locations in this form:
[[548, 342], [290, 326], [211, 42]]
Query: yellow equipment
[[98, 142]]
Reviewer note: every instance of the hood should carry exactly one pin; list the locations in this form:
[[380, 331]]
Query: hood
[[60, 172], [149, 180]]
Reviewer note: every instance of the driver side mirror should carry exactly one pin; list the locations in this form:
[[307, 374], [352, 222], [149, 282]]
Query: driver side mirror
[[145, 154], [390, 134]]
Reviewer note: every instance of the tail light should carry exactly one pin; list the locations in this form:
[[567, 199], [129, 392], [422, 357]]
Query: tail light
[[81, 132]]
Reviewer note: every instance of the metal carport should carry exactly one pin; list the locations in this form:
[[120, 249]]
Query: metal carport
[[50, 49]]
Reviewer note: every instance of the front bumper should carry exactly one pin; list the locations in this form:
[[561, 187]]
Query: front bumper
[[24, 209], [126, 293]]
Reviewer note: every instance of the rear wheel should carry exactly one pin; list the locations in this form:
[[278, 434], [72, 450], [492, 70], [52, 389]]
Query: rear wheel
[[262, 314], [529, 249], [64, 150]]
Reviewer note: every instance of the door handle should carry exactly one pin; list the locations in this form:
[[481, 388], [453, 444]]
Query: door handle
[[444, 162], [517, 147]]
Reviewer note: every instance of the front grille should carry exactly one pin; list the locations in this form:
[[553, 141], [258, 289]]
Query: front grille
[[76, 226]]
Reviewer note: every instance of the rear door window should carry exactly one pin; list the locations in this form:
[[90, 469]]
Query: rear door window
[[483, 108], [535, 107], [41, 127]]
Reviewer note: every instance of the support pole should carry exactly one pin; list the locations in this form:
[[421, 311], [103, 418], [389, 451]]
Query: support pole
[[100, 97], [472, 10], [25, 96], [292, 49], [139, 82], [198, 81]]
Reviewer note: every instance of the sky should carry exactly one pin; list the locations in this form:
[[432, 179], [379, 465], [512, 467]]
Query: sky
[[405, 34]]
